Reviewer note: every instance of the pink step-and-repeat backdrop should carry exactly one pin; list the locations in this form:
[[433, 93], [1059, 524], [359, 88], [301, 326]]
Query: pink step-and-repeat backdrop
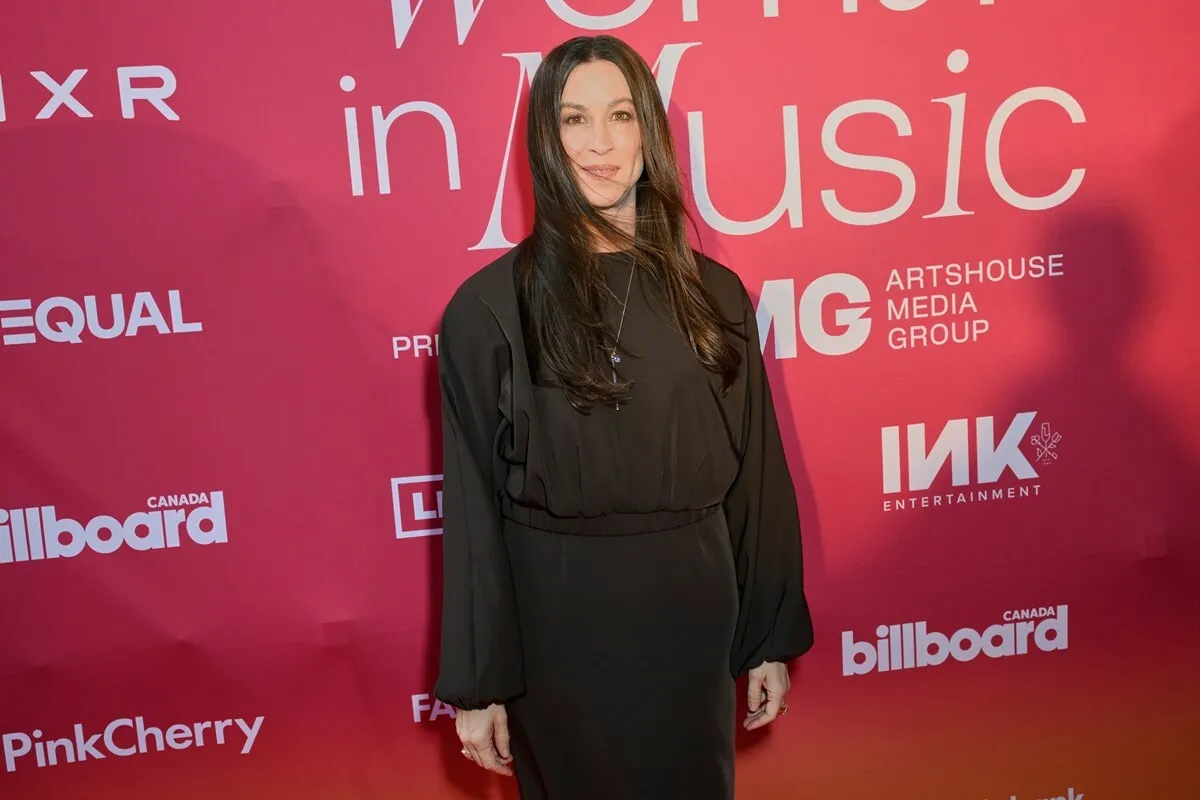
[[228, 229]]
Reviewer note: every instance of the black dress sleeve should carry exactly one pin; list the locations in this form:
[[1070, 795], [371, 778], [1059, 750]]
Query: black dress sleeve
[[773, 622], [480, 647]]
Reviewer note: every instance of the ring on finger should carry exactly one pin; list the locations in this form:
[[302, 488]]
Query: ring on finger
[[466, 752]]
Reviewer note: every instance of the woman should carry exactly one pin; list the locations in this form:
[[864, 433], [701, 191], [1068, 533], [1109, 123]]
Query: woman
[[620, 534]]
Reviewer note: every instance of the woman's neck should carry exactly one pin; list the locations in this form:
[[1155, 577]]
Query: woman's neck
[[623, 217]]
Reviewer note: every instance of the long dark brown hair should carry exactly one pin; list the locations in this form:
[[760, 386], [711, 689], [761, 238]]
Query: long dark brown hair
[[563, 287]]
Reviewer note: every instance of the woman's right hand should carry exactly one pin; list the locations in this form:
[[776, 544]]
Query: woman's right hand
[[484, 735]]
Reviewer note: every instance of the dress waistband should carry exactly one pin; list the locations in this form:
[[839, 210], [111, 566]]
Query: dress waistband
[[604, 525]]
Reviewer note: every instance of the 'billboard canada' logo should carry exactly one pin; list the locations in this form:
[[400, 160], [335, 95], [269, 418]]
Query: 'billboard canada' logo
[[34, 534], [417, 504], [910, 645]]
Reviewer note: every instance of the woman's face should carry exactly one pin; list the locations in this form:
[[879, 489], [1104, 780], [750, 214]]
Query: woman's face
[[600, 132]]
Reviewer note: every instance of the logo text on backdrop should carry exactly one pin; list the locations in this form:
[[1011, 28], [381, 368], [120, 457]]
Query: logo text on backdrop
[[930, 305], [911, 645], [62, 92], [65, 319], [34, 534], [790, 203], [417, 505], [123, 738], [908, 483]]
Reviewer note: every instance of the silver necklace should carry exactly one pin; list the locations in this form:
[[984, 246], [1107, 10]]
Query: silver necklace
[[614, 356]]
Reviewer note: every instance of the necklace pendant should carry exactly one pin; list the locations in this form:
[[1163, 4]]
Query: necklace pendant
[[616, 357]]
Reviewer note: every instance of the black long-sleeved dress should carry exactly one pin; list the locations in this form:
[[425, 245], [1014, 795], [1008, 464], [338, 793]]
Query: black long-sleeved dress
[[607, 575]]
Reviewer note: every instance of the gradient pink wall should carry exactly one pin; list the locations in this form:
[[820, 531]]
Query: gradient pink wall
[[232, 177]]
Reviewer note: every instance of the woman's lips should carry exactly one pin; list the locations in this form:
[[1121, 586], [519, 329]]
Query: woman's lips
[[602, 170]]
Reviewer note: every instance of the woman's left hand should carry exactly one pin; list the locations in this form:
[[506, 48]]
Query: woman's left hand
[[769, 684]]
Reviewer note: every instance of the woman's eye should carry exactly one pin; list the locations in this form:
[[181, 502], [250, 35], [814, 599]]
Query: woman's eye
[[623, 116], [573, 119]]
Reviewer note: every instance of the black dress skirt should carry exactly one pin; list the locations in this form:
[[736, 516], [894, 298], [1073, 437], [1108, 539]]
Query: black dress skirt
[[608, 575]]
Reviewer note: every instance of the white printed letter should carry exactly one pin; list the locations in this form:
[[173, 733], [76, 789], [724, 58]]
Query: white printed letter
[[908, 181], [383, 124], [789, 201], [61, 94], [992, 149], [155, 95], [403, 15]]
